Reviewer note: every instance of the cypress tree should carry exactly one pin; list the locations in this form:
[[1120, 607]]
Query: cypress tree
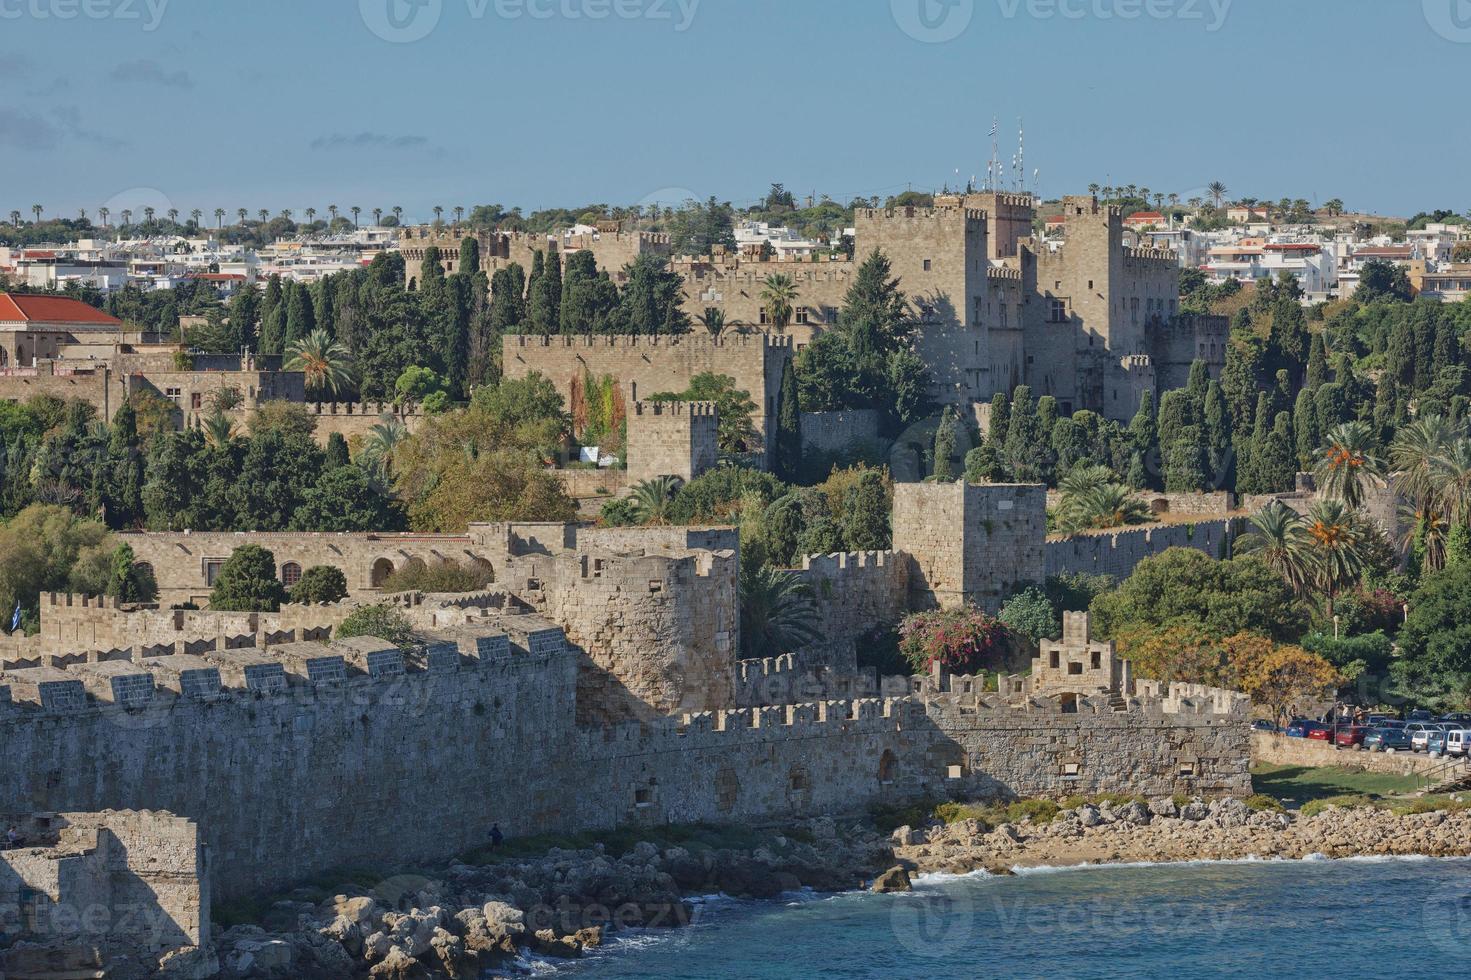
[[322, 313], [1276, 468], [866, 514], [1305, 428], [469, 256], [337, 454], [1317, 362], [1144, 444], [1218, 437], [507, 303], [1024, 451], [272, 318], [945, 448], [788, 442], [299, 320], [1000, 420]]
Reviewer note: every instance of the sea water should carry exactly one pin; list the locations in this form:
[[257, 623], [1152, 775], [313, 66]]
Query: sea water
[[1307, 919]]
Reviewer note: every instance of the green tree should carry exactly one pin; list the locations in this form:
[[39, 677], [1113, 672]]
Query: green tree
[[1030, 614], [1024, 453], [469, 255], [382, 622], [787, 444], [866, 514], [319, 584], [128, 582], [944, 467], [345, 499], [327, 366], [1437, 634], [778, 614], [247, 582]]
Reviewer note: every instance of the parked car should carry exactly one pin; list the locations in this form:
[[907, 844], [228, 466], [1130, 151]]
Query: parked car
[[1387, 739], [1320, 732], [1303, 728], [1374, 721], [1419, 714], [1456, 741], [1419, 731], [1460, 719], [1353, 735], [1435, 742], [1262, 725]]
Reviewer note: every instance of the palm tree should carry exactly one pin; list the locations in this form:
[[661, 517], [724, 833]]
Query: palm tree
[[355, 212], [15, 218], [326, 363], [82, 215], [1092, 190], [148, 213], [1452, 480], [1092, 498], [377, 216], [713, 320], [219, 217], [777, 295], [1278, 537], [241, 213], [286, 213], [1415, 455], [438, 215], [104, 213], [381, 442], [36, 209], [459, 215], [173, 215], [332, 210], [264, 215], [398, 214], [311, 216], [218, 428], [778, 614], [1334, 539], [127, 217], [1217, 191], [1347, 464], [652, 500]]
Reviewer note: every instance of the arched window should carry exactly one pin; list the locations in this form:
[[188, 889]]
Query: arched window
[[144, 569], [382, 568], [290, 574]]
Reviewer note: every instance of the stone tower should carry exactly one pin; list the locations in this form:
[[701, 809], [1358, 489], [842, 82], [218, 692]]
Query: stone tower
[[970, 543]]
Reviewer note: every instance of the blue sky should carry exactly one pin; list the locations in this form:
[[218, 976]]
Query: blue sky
[[297, 103]]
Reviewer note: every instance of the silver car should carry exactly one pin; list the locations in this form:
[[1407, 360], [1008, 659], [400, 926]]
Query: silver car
[[1420, 733]]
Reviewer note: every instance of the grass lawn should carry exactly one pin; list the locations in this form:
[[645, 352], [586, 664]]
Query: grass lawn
[[1299, 784]]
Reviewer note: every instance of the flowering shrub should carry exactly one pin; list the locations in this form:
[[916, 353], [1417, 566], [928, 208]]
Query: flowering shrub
[[963, 641]]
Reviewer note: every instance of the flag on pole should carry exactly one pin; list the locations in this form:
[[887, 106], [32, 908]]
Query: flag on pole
[[15, 617]]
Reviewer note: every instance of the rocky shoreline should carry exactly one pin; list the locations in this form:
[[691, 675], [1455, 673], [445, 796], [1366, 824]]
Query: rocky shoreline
[[492, 919], [1163, 831]]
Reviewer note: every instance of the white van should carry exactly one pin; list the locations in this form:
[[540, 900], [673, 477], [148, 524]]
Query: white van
[[1457, 740]]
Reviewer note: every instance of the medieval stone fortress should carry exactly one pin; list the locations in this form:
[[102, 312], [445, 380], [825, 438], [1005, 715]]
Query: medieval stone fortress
[[167, 755]]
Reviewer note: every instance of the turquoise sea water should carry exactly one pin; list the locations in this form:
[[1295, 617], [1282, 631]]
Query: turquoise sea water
[[1307, 919]]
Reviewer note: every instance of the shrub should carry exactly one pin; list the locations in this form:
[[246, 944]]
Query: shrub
[[1030, 614], [1262, 803], [963, 640], [449, 576], [380, 621], [247, 582]]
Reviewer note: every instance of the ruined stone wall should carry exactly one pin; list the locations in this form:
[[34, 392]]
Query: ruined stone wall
[[970, 543], [354, 420], [672, 439], [99, 387], [1117, 553], [130, 878]]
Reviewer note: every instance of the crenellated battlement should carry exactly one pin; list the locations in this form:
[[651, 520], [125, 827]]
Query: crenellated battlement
[[626, 342], [839, 562], [711, 729], [674, 409], [374, 409]]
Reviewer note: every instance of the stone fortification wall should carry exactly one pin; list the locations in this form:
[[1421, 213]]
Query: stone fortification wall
[[1117, 553], [648, 365], [660, 632], [671, 439], [855, 593], [835, 432], [297, 760]]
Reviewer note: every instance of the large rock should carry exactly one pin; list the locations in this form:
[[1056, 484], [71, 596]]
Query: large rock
[[896, 879], [397, 965]]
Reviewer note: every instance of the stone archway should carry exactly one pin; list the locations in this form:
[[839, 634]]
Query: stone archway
[[382, 568]]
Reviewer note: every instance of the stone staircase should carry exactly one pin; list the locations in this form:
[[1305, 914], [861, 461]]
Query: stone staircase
[[1453, 776]]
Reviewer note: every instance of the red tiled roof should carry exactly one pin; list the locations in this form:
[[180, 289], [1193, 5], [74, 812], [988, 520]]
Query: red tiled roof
[[52, 309], [1292, 247], [1145, 216]]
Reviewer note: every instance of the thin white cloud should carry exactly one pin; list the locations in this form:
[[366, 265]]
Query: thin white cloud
[[147, 72]]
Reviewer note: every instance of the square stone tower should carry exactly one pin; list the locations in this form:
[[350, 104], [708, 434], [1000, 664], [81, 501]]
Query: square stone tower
[[1076, 664], [970, 543], [671, 439]]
